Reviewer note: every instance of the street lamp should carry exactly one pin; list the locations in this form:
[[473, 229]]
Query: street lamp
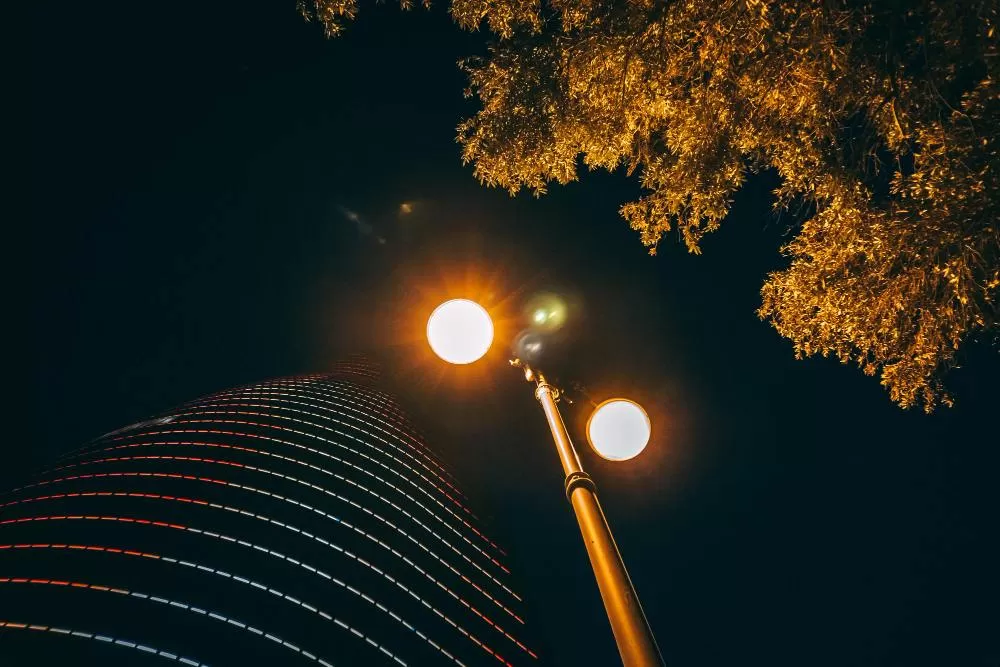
[[618, 430], [460, 331]]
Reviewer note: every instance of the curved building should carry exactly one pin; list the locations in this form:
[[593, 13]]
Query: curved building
[[300, 521]]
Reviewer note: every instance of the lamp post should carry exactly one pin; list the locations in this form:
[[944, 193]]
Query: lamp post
[[618, 430]]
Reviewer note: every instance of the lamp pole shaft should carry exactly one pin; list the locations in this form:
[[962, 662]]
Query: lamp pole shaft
[[632, 632]]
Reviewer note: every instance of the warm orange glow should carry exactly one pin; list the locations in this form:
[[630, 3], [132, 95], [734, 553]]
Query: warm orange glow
[[460, 331], [455, 267], [619, 429]]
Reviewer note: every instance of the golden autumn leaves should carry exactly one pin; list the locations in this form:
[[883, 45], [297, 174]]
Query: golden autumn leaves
[[883, 123]]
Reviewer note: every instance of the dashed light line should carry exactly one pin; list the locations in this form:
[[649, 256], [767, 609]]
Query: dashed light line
[[283, 403], [173, 603], [319, 389], [330, 493], [372, 410], [341, 445], [337, 476], [161, 524], [156, 496], [11, 625], [328, 387], [203, 568], [344, 391]]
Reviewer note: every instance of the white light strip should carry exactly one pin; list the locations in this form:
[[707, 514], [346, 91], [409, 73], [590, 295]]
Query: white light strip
[[11, 625], [173, 603]]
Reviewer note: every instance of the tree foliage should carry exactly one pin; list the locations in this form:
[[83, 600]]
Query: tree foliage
[[882, 120]]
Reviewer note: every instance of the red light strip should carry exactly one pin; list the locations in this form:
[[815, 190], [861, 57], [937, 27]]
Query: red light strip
[[364, 418], [292, 501], [378, 401], [319, 488], [369, 458], [340, 477], [202, 568], [155, 496], [172, 603], [283, 417], [232, 540], [328, 384], [205, 408], [393, 418], [365, 456], [297, 481], [327, 387], [66, 632], [334, 388]]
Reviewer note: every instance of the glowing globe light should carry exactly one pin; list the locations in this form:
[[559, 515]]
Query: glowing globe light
[[460, 331], [619, 429]]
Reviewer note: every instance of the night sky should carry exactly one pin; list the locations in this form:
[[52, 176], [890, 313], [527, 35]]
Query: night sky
[[216, 193]]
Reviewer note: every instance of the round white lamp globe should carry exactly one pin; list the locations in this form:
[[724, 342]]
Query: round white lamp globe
[[460, 331], [619, 429]]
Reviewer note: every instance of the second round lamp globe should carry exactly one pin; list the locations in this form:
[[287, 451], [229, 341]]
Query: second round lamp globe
[[619, 429]]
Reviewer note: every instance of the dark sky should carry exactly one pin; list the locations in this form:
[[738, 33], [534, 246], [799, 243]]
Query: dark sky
[[192, 169]]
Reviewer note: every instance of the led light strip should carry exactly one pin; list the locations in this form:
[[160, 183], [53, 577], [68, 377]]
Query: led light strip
[[286, 499], [156, 496], [348, 390], [311, 384], [171, 603], [305, 483], [232, 540], [358, 453], [346, 401], [204, 568], [297, 481], [380, 401], [256, 389], [11, 625], [346, 480], [368, 398], [206, 409], [339, 389]]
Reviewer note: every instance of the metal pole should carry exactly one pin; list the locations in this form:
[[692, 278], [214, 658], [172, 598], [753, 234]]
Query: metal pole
[[633, 635]]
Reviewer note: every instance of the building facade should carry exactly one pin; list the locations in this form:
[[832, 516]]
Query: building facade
[[293, 522]]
